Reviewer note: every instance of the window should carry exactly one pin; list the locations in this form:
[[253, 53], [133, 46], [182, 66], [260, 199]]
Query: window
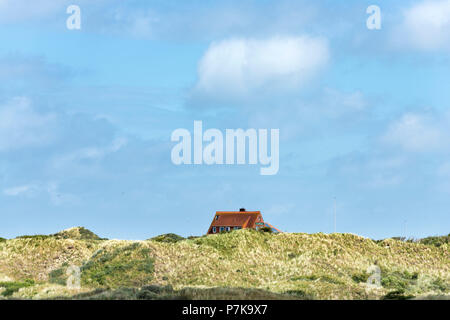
[[217, 217], [228, 228], [214, 230], [237, 228], [221, 229]]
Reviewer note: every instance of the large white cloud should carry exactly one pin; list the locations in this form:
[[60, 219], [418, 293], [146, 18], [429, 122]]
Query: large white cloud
[[237, 67], [426, 26]]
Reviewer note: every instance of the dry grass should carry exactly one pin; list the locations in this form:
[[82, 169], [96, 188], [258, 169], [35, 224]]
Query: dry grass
[[323, 266]]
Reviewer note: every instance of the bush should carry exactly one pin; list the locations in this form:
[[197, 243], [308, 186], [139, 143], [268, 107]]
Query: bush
[[436, 241], [266, 229], [14, 286], [58, 276], [441, 285], [399, 280], [77, 233], [168, 237], [360, 277], [2, 239], [124, 266], [36, 236], [397, 295], [299, 294]]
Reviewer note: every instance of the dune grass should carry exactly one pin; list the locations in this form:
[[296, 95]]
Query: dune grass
[[286, 265]]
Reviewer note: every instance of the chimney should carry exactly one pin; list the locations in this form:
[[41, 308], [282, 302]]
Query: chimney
[[242, 210]]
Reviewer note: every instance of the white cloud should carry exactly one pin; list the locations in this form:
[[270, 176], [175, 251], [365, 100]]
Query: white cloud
[[426, 25], [88, 153], [238, 67], [51, 189], [15, 191], [22, 126], [419, 132]]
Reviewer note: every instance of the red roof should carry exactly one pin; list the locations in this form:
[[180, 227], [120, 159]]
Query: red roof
[[243, 219]]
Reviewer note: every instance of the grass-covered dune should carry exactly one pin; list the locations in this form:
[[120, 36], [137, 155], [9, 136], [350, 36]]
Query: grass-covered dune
[[240, 264]]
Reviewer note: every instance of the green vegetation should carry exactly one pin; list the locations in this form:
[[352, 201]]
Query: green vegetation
[[36, 236], [58, 276], [12, 286], [398, 280], [169, 238], [155, 292], [245, 264], [436, 241], [77, 233], [397, 295], [360, 277], [2, 239], [131, 265]]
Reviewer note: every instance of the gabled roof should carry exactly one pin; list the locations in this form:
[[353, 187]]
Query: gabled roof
[[244, 219]]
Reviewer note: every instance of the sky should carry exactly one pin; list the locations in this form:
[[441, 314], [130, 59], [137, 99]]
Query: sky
[[86, 115]]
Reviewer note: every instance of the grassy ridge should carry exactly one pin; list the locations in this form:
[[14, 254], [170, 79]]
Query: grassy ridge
[[287, 265]]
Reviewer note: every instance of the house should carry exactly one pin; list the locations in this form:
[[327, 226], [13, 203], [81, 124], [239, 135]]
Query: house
[[234, 220]]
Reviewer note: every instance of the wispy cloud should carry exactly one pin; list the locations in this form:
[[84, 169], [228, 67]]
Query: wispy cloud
[[15, 191], [419, 132], [22, 126], [49, 189]]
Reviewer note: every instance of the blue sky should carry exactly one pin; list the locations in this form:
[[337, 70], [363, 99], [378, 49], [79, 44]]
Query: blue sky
[[86, 115]]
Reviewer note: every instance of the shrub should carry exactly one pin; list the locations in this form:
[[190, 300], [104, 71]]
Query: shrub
[[77, 233], [266, 229], [397, 295], [436, 241], [58, 276], [441, 285], [36, 236], [398, 280], [14, 286], [124, 266], [360, 277], [300, 294], [168, 237]]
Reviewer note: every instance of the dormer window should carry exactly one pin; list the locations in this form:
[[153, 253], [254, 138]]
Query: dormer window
[[217, 217]]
